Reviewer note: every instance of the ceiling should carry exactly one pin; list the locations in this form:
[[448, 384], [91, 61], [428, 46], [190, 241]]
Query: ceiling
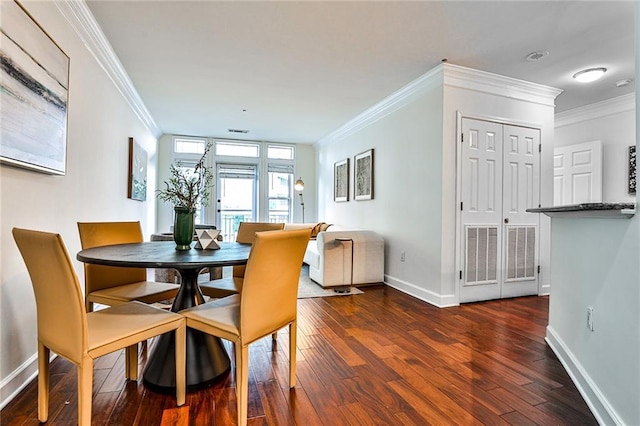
[[295, 71]]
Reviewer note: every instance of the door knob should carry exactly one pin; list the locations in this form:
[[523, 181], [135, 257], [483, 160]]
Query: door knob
[[506, 220]]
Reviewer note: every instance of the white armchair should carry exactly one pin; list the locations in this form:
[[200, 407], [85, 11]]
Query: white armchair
[[329, 257]]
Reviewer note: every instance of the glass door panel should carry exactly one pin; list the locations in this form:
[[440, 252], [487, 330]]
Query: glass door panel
[[236, 187]]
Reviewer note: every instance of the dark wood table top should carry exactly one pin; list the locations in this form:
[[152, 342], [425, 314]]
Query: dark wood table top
[[163, 254]]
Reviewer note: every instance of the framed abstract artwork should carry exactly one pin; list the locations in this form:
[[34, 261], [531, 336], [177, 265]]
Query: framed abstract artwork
[[633, 170], [34, 93], [341, 181], [363, 176], [137, 188]]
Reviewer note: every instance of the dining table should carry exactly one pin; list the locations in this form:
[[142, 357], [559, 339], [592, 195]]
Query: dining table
[[207, 359]]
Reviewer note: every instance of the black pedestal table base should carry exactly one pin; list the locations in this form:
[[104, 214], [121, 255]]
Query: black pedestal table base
[[207, 359]]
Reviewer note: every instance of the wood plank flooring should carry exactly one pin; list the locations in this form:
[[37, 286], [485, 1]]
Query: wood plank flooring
[[378, 358]]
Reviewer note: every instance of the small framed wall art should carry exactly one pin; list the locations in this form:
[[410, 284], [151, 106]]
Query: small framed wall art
[[341, 180], [34, 94], [137, 187], [633, 170], [363, 176]]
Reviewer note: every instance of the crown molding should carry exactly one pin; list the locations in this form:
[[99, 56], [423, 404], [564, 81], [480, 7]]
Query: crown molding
[[508, 87], [391, 103], [596, 110], [78, 15], [447, 75]]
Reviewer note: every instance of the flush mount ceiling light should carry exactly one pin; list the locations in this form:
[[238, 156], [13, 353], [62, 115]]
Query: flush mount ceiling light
[[589, 75]]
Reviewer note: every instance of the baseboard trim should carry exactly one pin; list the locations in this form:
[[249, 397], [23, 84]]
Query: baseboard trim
[[440, 301], [595, 399], [15, 382]]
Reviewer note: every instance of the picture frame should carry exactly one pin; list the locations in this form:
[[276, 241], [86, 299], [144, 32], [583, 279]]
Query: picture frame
[[633, 170], [363, 176], [341, 181], [137, 181], [34, 94]]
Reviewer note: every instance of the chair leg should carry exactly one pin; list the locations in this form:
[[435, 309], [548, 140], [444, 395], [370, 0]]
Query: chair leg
[[181, 357], [43, 382], [242, 381], [131, 362], [85, 391], [274, 336], [293, 329], [88, 305]]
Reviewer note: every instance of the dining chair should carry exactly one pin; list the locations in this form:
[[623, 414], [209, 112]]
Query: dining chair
[[231, 285], [110, 285], [66, 328], [266, 303]]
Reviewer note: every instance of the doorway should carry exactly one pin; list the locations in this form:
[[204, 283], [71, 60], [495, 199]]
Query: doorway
[[236, 190], [500, 179]]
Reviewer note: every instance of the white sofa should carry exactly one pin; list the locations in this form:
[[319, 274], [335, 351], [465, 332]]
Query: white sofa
[[329, 259]]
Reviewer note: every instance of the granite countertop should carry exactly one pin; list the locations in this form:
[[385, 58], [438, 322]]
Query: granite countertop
[[589, 210]]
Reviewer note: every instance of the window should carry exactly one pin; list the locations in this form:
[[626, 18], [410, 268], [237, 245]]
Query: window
[[279, 193], [253, 180], [280, 152], [237, 149]]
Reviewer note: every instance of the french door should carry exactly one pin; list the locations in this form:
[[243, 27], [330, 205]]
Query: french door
[[500, 179], [236, 189]]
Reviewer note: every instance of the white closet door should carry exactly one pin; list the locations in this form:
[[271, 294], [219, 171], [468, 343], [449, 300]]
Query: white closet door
[[521, 191], [500, 178], [481, 210]]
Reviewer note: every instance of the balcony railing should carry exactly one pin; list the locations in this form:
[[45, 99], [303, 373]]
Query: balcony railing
[[231, 221]]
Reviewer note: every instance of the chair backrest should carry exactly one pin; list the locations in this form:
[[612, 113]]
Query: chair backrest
[[269, 293], [247, 230], [246, 234], [62, 321], [95, 234]]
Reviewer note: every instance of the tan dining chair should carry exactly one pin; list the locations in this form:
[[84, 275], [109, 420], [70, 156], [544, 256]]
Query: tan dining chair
[[266, 303], [231, 285], [79, 336], [110, 285]]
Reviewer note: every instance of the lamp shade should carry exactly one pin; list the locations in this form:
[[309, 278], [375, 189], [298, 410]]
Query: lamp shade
[[299, 185]]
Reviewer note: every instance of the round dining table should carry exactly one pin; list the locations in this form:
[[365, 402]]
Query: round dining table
[[207, 359]]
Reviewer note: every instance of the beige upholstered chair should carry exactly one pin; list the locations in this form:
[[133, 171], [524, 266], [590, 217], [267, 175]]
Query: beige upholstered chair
[[65, 328], [267, 302], [231, 285], [110, 285]]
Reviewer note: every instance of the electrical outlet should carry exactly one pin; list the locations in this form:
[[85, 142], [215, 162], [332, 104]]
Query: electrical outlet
[[401, 255], [590, 318]]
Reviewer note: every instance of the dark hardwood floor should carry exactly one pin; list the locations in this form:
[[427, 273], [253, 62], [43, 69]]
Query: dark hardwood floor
[[379, 358]]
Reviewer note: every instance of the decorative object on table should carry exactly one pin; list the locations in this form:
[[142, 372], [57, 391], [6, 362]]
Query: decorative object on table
[[34, 94], [363, 176], [183, 227], [207, 239], [299, 186], [137, 182], [633, 170], [341, 181], [187, 189]]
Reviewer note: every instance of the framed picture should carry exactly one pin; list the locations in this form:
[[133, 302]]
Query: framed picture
[[341, 181], [633, 170], [34, 93], [363, 176], [137, 188]]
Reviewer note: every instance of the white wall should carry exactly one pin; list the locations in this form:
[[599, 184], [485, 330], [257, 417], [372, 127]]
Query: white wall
[[596, 262], [405, 209], [94, 188], [414, 136], [613, 123]]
